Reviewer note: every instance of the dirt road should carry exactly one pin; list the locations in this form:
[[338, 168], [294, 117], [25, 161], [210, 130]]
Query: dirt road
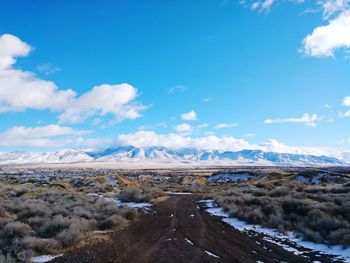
[[181, 231]]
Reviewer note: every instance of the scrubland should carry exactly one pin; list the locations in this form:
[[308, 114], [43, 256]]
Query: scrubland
[[48, 216], [319, 211], [53, 211]]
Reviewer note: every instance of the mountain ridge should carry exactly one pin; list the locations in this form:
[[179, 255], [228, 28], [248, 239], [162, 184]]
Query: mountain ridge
[[163, 154]]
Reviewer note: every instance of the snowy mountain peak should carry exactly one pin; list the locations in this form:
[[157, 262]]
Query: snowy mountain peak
[[163, 154]]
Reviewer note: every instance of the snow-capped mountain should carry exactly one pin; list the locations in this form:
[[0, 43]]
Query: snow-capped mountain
[[62, 156], [163, 154]]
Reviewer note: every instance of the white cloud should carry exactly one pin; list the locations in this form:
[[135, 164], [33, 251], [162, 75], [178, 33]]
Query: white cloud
[[176, 141], [10, 48], [207, 99], [225, 125], [104, 99], [48, 68], [307, 119], [212, 142], [177, 88], [267, 3], [324, 40], [250, 135], [189, 116], [346, 101], [344, 114], [331, 7], [203, 125], [183, 128], [21, 90], [43, 136], [255, 5]]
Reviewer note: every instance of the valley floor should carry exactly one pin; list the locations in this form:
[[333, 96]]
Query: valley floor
[[180, 230]]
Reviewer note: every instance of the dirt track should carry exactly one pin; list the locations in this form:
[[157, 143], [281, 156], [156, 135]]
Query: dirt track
[[161, 237]]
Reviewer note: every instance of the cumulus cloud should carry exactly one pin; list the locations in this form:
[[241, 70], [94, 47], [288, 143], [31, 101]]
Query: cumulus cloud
[[43, 136], [104, 99], [21, 90], [183, 128], [307, 119], [177, 141], [189, 116], [10, 48], [346, 101], [212, 142], [225, 125], [324, 40]]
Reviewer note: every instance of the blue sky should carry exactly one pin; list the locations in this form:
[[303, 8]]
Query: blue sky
[[273, 72]]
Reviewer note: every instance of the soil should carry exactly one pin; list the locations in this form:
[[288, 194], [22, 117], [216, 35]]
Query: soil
[[179, 230]]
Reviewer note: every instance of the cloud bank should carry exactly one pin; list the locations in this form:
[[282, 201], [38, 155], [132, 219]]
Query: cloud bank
[[21, 90], [307, 119]]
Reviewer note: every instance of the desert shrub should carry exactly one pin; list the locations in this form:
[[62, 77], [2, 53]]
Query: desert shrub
[[300, 207], [132, 195], [15, 230], [69, 237], [252, 216], [281, 191], [31, 243], [340, 236], [320, 213], [129, 213], [57, 224], [60, 215], [113, 221]]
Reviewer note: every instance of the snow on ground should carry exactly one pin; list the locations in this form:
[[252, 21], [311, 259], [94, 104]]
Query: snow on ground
[[211, 254], [189, 241], [229, 177], [290, 242], [178, 193], [145, 207], [44, 258]]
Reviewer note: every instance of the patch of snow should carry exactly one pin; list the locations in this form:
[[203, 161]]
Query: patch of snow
[[110, 180], [211, 254], [145, 207], [229, 177], [313, 180], [290, 242], [44, 258], [94, 194], [101, 231], [189, 241], [178, 193]]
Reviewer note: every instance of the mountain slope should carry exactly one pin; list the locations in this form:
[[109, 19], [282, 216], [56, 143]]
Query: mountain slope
[[163, 154]]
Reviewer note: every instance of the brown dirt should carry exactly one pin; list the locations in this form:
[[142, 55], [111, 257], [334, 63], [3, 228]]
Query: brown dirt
[[160, 237]]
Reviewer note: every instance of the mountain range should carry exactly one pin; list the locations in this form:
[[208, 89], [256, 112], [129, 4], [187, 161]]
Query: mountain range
[[163, 154]]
